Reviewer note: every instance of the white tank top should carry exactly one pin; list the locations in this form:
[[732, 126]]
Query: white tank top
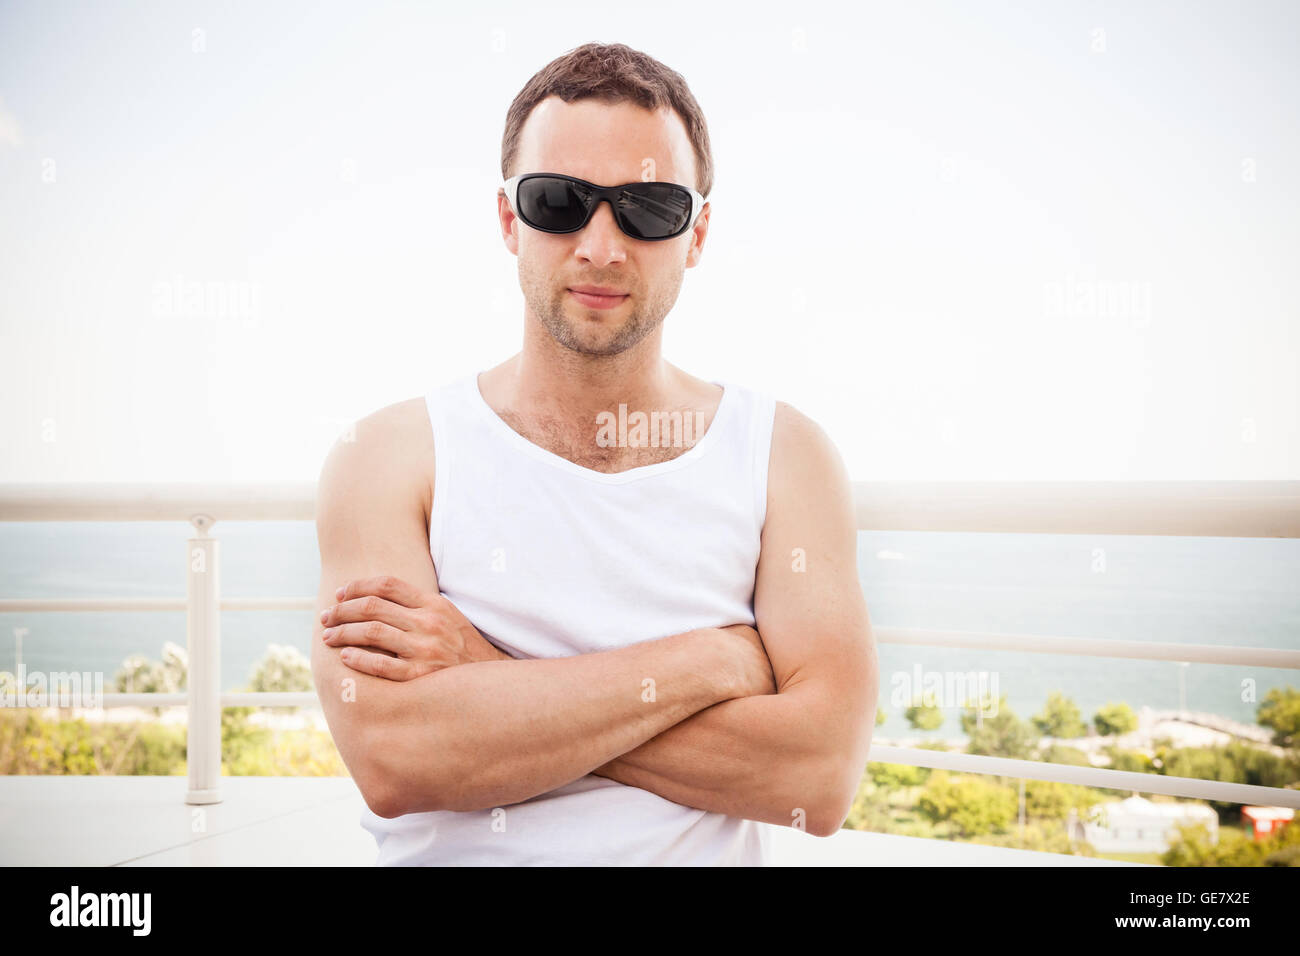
[[548, 558]]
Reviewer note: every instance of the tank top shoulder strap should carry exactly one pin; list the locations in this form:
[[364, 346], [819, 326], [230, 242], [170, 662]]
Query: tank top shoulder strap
[[752, 440]]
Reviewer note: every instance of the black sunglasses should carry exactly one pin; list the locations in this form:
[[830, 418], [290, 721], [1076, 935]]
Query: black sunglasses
[[550, 202]]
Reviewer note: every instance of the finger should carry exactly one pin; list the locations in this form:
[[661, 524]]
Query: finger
[[378, 665], [386, 586], [369, 634], [369, 608]]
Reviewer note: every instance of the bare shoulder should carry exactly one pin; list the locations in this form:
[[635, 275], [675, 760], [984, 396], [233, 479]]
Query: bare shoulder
[[792, 425], [806, 474], [389, 451], [801, 449]]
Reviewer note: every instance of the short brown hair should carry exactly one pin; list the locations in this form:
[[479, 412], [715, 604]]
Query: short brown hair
[[614, 73]]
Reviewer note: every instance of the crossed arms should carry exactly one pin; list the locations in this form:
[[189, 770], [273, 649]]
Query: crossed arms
[[771, 725]]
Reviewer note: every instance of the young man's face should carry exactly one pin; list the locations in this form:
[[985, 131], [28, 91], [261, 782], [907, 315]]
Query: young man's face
[[608, 145]]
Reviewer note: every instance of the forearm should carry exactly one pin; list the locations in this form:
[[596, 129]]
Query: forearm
[[785, 759], [497, 732], [742, 757]]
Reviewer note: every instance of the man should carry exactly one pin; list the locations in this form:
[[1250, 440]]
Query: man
[[584, 607]]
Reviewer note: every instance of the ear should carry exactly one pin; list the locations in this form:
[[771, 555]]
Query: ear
[[698, 232], [509, 227]]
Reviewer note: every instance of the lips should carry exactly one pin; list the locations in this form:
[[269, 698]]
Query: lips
[[605, 298], [598, 290]]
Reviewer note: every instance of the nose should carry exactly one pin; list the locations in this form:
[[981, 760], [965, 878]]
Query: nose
[[600, 240]]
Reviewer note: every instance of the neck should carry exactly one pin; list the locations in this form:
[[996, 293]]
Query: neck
[[551, 382]]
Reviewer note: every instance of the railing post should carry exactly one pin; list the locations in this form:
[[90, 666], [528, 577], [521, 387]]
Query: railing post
[[203, 632]]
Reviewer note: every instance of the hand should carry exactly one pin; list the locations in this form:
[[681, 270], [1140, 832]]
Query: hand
[[754, 667], [411, 632]]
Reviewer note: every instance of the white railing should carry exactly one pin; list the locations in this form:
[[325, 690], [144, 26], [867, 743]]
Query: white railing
[[1233, 509], [202, 505]]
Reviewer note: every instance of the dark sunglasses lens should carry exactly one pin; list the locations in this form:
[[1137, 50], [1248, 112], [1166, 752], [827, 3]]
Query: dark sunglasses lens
[[553, 205], [653, 210]]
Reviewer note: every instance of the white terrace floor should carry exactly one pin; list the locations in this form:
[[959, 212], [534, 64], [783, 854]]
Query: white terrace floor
[[314, 821]]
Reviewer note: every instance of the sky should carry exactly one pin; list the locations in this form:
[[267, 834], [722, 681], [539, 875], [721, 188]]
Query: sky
[[988, 241]]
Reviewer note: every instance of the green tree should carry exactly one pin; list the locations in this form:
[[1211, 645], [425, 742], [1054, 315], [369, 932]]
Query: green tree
[[1060, 718], [1192, 847], [1053, 801], [973, 805], [1002, 735], [881, 716], [1132, 760], [1235, 762], [142, 675], [1280, 711], [1115, 719], [923, 716], [1287, 856], [30, 744], [282, 669], [1059, 753], [1045, 836], [895, 776], [870, 810]]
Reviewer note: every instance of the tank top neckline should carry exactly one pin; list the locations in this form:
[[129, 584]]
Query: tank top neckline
[[721, 417]]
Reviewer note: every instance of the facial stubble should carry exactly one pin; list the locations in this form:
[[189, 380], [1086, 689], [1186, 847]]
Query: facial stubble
[[617, 329]]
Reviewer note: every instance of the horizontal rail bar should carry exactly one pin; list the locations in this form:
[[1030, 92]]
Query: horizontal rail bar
[[146, 699], [229, 699], [179, 501], [270, 698], [1244, 509], [1237, 509], [1090, 647], [44, 605], [1243, 793], [268, 604]]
